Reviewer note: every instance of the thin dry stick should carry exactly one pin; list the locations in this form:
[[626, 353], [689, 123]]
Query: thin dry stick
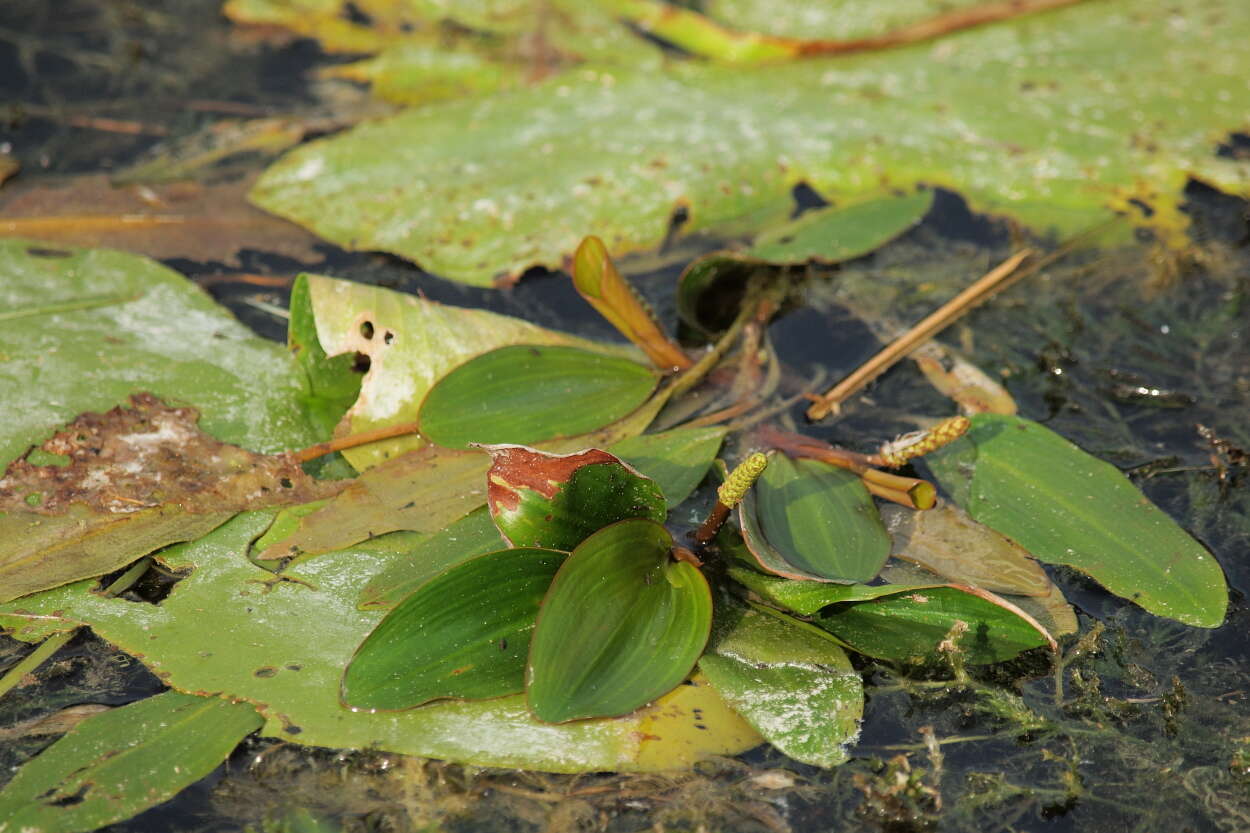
[[993, 282], [353, 440]]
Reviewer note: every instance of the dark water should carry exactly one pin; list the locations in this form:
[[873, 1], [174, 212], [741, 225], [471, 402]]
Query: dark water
[[1119, 351]]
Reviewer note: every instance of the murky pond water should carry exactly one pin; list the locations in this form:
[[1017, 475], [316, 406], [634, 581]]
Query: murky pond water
[[1141, 360]]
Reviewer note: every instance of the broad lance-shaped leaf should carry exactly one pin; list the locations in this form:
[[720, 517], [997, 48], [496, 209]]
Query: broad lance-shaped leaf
[[1066, 507], [558, 500], [406, 343], [118, 763], [283, 647], [528, 393], [788, 679], [809, 520], [464, 633], [677, 460], [622, 624]]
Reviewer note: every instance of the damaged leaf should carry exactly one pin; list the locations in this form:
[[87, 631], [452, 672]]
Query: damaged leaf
[[120, 762], [283, 646], [1032, 118], [134, 480], [84, 329], [406, 343], [789, 680], [557, 501]]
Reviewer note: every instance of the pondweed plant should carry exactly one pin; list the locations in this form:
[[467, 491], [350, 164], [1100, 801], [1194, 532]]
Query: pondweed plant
[[518, 577]]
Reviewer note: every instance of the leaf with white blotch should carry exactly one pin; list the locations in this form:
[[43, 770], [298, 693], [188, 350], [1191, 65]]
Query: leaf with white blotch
[[558, 500]]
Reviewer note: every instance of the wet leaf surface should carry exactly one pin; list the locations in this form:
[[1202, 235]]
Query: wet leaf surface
[[841, 232], [621, 625], [789, 680], [810, 520], [115, 764], [1021, 117], [525, 394], [465, 634], [283, 645], [86, 328], [1067, 507], [678, 460]]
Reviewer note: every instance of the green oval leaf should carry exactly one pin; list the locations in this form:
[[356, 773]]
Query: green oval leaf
[[464, 633], [678, 460], [558, 500], [621, 625], [907, 624], [841, 232], [788, 679], [121, 762], [809, 520], [1067, 507], [524, 394]]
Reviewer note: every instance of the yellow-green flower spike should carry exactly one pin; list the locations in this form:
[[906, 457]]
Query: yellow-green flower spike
[[740, 479], [918, 443]]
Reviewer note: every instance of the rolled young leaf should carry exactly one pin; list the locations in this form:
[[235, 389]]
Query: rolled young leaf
[[622, 624], [464, 633], [528, 393], [558, 500]]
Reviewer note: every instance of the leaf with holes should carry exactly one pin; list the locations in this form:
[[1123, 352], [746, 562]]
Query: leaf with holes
[[621, 625]]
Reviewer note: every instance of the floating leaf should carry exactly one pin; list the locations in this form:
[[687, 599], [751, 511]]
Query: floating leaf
[[333, 382], [123, 761], [526, 394], [558, 500], [1032, 118], [945, 540], [908, 624], [464, 633], [789, 680], [678, 460], [123, 484], [841, 232], [474, 534], [83, 330], [283, 645], [804, 597], [1067, 507], [621, 625], [408, 343], [810, 520]]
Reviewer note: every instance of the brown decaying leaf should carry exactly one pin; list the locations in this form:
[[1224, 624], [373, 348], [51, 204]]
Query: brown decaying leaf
[[196, 221], [135, 479], [955, 377]]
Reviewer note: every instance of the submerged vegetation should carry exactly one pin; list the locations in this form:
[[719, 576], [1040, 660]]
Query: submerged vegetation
[[433, 566]]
